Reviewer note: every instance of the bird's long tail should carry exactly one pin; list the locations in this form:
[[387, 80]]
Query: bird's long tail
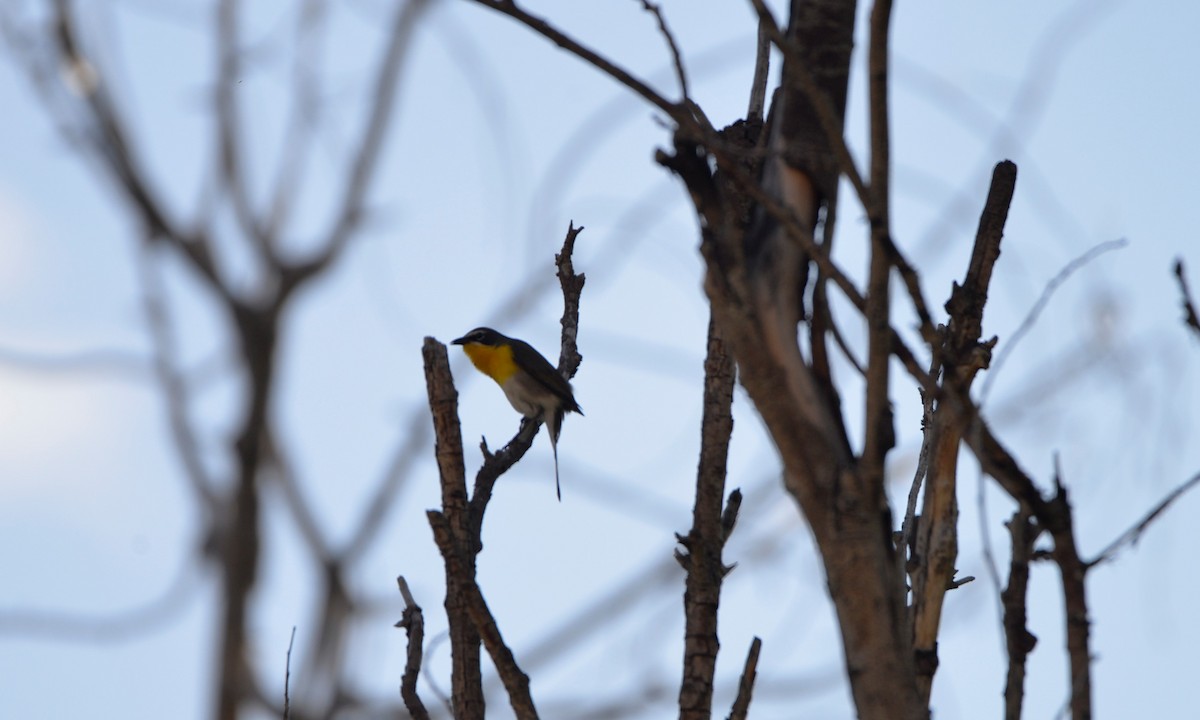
[[554, 427], [557, 487]]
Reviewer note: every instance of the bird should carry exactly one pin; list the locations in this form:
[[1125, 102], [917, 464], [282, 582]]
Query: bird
[[532, 385]]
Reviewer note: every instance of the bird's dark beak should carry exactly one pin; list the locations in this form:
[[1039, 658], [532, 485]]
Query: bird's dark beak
[[459, 341]]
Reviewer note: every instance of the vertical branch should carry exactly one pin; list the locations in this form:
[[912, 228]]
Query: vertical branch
[[879, 435], [569, 360], [369, 149], [458, 527], [741, 704], [287, 677], [413, 622], [457, 563], [963, 355], [1018, 640], [1073, 571], [1190, 318], [229, 77], [701, 554], [758, 85], [466, 681], [572, 283]]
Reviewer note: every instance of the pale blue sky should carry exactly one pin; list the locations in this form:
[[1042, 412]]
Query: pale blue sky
[[499, 139]]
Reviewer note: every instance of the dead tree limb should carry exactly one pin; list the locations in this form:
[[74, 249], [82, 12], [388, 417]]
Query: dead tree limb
[[741, 704], [413, 622], [1189, 306], [701, 550], [962, 357], [1019, 641], [465, 679], [458, 526]]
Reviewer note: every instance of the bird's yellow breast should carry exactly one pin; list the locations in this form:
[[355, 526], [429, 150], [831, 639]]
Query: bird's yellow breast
[[495, 362]]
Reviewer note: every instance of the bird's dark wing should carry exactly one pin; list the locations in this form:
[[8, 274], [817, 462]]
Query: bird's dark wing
[[545, 374]]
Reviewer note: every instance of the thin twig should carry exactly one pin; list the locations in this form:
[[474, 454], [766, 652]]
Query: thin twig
[[1133, 534], [229, 78], [287, 677], [507, 7], [1043, 300], [303, 113], [1189, 307], [741, 704], [908, 528], [171, 381], [370, 145], [676, 57]]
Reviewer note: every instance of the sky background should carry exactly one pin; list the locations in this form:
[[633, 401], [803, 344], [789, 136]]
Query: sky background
[[499, 140]]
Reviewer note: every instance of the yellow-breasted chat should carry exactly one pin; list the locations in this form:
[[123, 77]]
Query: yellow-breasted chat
[[532, 385]]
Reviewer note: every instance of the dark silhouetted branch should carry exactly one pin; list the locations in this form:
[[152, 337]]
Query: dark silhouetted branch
[[1189, 306], [676, 57], [287, 677], [515, 681], [700, 555], [741, 704], [508, 7], [1073, 572], [413, 622], [1018, 640]]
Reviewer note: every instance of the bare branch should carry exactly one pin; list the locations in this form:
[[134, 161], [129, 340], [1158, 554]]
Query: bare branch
[[413, 622], [370, 145], [507, 7], [229, 76], [907, 545], [702, 547], [119, 627], [676, 58], [460, 540], [1043, 300], [287, 677], [305, 95], [877, 62], [1018, 640], [741, 704], [1073, 571], [831, 125], [1132, 535], [827, 115], [762, 67], [515, 681], [572, 287], [108, 142], [879, 430], [963, 355], [174, 388], [569, 360], [1189, 307]]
